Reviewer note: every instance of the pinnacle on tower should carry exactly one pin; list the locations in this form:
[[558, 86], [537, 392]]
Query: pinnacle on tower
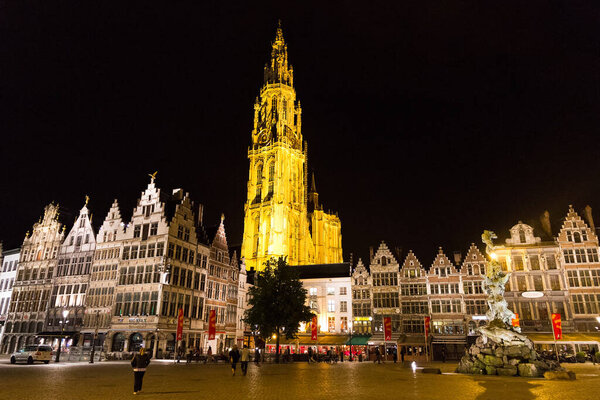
[[278, 70]]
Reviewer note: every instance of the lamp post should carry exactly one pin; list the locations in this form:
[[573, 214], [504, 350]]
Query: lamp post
[[65, 313], [94, 340]]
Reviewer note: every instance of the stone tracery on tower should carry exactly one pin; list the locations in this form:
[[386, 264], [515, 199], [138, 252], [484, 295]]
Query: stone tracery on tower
[[279, 221]]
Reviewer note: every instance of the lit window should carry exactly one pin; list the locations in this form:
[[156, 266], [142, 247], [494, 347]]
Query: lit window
[[331, 305], [330, 290]]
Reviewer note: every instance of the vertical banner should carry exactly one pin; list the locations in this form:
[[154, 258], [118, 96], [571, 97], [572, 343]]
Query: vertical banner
[[387, 325], [427, 322], [515, 322], [313, 328], [557, 326], [180, 324], [212, 324]]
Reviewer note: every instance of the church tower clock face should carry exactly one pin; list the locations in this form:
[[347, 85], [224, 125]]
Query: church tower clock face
[[264, 137]]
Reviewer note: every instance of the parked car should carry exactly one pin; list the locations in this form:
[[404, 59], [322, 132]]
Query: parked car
[[31, 353]]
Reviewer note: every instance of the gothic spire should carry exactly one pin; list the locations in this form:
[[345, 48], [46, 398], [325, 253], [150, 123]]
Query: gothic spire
[[278, 70]]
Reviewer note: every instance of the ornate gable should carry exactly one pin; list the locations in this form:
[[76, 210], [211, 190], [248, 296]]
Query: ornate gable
[[575, 230], [384, 256], [442, 266]]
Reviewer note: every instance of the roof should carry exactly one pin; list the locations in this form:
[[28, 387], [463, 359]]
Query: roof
[[11, 251], [315, 271]]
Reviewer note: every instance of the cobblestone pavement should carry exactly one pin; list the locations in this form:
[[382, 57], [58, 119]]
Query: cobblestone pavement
[[342, 381]]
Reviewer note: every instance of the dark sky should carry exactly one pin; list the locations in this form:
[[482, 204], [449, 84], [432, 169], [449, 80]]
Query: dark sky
[[426, 121]]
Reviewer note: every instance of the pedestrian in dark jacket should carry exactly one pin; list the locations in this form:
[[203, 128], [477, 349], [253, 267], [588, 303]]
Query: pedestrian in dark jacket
[[234, 356], [139, 363]]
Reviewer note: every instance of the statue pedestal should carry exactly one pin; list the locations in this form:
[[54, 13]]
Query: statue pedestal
[[501, 351]]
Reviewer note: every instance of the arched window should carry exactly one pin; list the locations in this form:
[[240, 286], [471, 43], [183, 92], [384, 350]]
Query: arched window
[[256, 234], [271, 171], [259, 174], [274, 104], [577, 237], [522, 236], [118, 343], [383, 261], [284, 107]]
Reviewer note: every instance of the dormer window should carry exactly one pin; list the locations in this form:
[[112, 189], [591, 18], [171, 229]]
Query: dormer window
[[584, 236], [569, 236], [574, 224], [383, 261], [411, 263], [576, 237], [522, 236], [442, 261], [474, 257]]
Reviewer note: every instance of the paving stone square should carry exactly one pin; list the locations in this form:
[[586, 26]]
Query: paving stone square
[[341, 381]]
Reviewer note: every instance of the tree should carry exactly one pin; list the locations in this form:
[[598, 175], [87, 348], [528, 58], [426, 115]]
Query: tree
[[278, 302]]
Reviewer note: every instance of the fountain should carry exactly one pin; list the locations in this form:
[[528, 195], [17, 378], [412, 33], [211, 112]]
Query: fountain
[[501, 349]]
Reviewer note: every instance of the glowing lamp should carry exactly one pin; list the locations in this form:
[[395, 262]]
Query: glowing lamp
[[598, 319], [494, 256], [532, 294], [274, 336]]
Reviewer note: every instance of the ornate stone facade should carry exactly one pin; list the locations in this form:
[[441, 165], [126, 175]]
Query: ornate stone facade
[[281, 218]]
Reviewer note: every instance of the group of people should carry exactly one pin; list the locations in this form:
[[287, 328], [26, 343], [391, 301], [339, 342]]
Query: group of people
[[243, 356]]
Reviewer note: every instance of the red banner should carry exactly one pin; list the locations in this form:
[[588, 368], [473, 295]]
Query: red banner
[[212, 324], [427, 322], [557, 326], [180, 324], [387, 325], [313, 328], [516, 322]]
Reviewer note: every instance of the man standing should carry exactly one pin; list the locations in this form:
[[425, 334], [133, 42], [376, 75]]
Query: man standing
[[139, 363], [234, 356], [245, 359], [310, 354]]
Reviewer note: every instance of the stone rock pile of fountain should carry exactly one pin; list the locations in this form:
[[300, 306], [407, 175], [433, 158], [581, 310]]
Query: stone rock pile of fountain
[[499, 351]]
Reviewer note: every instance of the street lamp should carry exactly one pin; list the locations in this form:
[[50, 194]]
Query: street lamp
[[65, 313]]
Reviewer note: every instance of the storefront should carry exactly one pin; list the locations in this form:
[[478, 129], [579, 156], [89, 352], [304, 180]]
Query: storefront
[[301, 344], [570, 344]]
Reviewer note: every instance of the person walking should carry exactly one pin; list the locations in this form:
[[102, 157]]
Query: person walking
[[402, 352], [257, 357], [444, 354], [395, 354], [208, 355], [139, 363], [377, 356], [310, 354], [234, 356], [244, 359]]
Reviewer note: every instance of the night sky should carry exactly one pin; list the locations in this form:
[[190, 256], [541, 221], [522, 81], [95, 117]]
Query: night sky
[[426, 123]]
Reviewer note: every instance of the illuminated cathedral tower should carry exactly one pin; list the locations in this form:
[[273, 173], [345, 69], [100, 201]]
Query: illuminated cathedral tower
[[281, 217]]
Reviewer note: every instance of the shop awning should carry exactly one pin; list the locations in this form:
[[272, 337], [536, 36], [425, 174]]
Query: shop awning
[[568, 337], [358, 341], [305, 340]]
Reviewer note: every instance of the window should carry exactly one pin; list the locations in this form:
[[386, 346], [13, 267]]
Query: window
[[331, 305], [592, 255], [580, 255], [160, 249], [330, 291], [136, 231], [343, 306], [554, 282], [154, 229], [518, 263], [343, 291], [537, 283], [534, 261], [569, 256], [522, 283], [344, 324], [331, 324], [550, 261], [312, 291]]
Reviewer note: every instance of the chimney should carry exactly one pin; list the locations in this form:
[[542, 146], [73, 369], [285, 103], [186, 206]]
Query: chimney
[[399, 253], [545, 220], [587, 213], [200, 214], [370, 254], [457, 257]]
